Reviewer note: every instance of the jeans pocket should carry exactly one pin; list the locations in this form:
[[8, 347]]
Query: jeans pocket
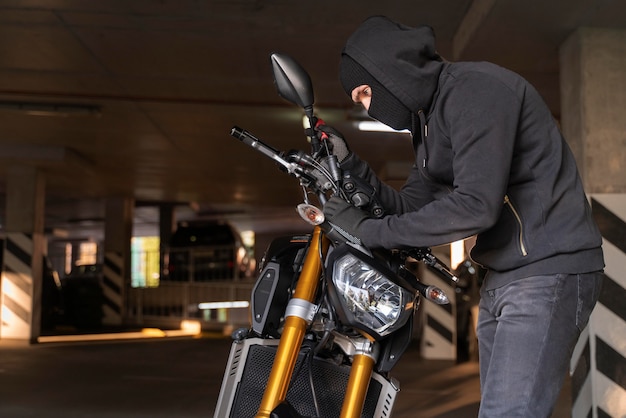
[[589, 285]]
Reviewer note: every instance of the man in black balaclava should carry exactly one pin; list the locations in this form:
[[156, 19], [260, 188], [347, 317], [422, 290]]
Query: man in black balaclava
[[386, 108], [490, 162]]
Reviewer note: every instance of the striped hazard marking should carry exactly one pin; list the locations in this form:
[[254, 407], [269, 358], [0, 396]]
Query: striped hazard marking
[[113, 288], [598, 365], [17, 287]]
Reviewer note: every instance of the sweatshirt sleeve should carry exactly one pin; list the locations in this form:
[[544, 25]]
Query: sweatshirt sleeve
[[478, 116], [411, 197]]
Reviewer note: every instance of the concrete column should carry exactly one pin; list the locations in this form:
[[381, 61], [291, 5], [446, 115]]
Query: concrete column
[[118, 231], [23, 251], [593, 101]]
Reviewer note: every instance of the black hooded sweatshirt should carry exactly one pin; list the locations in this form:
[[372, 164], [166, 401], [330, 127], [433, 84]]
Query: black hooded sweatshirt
[[490, 161]]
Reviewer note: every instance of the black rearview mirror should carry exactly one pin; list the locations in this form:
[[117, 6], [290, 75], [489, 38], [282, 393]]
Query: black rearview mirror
[[293, 82]]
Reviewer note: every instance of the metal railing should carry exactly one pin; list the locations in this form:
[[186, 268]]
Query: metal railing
[[172, 302], [206, 263]]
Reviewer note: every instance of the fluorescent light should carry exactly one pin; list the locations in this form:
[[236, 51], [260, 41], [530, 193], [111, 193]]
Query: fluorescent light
[[375, 126], [222, 305]]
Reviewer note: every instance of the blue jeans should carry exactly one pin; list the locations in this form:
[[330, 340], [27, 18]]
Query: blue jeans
[[527, 331]]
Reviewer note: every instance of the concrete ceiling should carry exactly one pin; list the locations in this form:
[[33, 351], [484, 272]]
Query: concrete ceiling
[[136, 98]]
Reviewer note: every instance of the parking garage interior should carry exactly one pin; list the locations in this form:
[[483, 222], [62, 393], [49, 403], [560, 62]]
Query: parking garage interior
[[115, 132]]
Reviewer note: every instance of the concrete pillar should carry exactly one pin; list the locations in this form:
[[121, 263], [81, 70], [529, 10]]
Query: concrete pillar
[[22, 270], [116, 270], [593, 100]]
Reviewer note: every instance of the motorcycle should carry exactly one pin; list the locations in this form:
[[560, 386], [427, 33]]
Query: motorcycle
[[329, 317]]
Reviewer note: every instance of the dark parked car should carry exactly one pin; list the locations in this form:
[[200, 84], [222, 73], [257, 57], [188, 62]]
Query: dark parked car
[[74, 301], [83, 297], [206, 251], [52, 301]]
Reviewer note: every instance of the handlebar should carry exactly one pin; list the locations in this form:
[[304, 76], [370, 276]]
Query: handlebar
[[355, 190], [295, 162]]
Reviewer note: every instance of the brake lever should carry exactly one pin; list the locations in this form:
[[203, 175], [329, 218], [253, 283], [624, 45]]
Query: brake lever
[[427, 257]]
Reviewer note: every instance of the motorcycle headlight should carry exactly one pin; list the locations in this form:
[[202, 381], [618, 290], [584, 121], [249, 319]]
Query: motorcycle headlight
[[365, 295]]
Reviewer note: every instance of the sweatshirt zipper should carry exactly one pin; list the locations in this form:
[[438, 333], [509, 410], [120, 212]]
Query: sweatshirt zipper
[[508, 202]]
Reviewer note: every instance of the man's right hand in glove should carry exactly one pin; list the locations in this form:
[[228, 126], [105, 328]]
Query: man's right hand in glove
[[339, 145]]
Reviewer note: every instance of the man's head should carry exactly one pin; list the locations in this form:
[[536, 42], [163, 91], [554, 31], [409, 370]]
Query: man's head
[[375, 98], [391, 69]]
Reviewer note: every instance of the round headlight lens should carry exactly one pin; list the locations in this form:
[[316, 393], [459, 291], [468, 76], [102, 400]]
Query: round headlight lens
[[375, 301]]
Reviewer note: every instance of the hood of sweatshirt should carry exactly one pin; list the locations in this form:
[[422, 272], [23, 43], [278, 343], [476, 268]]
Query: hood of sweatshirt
[[402, 59]]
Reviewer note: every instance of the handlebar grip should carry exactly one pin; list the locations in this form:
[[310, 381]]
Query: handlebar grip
[[254, 142], [249, 139], [237, 132]]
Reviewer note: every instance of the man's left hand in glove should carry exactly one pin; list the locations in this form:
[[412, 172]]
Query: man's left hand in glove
[[343, 221]]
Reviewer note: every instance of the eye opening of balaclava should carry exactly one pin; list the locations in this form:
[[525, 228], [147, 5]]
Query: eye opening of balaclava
[[384, 106]]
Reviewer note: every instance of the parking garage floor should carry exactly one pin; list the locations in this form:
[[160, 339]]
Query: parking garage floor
[[181, 377]]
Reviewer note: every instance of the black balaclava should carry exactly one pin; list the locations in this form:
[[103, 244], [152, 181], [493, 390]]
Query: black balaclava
[[401, 65], [384, 106]]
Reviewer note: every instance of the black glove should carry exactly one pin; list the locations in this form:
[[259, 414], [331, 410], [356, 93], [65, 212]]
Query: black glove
[[339, 145], [343, 220]]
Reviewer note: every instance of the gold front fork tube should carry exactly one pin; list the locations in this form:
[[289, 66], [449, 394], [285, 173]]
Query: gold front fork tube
[[358, 383], [295, 327]]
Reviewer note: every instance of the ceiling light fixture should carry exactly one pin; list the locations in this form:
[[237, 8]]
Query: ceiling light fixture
[[375, 126]]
